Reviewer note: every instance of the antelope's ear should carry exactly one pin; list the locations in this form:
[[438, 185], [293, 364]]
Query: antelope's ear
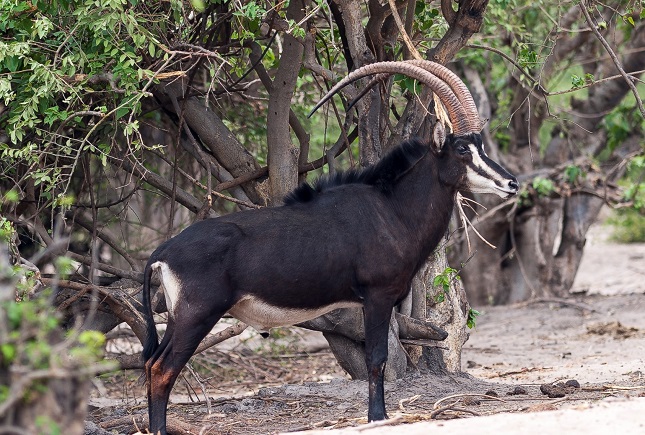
[[438, 136]]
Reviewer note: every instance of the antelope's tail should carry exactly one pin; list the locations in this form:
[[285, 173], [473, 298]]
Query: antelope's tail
[[152, 339]]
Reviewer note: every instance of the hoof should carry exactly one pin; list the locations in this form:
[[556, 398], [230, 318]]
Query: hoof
[[377, 417]]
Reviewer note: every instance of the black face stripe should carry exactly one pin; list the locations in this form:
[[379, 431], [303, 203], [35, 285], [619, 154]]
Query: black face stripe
[[483, 174], [492, 165], [491, 171]]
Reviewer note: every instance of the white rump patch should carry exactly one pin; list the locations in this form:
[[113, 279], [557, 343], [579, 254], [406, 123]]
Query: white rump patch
[[169, 283], [263, 316]]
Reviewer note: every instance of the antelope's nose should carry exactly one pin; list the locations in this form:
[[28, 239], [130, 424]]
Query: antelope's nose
[[514, 185]]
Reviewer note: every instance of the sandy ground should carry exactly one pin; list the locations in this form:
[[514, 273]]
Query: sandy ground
[[598, 337], [517, 353], [598, 340]]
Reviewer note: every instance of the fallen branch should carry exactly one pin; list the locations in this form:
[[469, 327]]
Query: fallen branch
[[440, 411], [415, 329], [135, 361], [459, 396]]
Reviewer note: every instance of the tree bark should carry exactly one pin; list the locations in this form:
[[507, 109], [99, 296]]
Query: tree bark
[[369, 107], [283, 156], [212, 133], [450, 315]]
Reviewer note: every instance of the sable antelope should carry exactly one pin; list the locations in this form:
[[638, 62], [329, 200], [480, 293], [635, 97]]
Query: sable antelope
[[354, 240]]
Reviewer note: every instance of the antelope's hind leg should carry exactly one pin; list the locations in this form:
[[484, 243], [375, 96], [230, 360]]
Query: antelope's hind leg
[[186, 329]]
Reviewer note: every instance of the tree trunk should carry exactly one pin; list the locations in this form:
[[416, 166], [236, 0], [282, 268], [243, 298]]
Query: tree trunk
[[451, 315], [283, 157]]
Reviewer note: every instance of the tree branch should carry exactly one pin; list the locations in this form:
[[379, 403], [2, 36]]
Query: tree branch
[[294, 122], [614, 58], [212, 133], [106, 235], [463, 24], [135, 168], [368, 108], [135, 361]]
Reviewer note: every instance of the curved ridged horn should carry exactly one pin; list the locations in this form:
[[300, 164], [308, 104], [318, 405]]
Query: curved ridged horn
[[451, 79], [458, 116], [457, 86]]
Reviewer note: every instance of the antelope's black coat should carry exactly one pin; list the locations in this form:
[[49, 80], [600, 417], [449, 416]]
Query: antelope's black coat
[[357, 238]]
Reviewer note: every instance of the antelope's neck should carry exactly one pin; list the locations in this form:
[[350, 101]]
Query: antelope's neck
[[425, 203]]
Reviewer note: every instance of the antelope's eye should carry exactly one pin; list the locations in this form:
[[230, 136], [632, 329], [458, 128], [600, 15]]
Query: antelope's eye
[[463, 149]]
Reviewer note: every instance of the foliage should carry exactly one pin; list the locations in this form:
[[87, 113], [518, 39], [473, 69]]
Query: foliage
[[635, 191], [629, 223], [620, 123], [70, 66], [573, 174], [443, 281], [472, 316], [628, 226], [31, 325], [578, 82], [543, 186], [31, 338]]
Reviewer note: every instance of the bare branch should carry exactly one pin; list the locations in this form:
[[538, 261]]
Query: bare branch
[[106, 235], [136, 362], [614, 58], [165, 186], [404, 34]]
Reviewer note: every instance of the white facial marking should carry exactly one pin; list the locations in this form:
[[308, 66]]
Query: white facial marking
[[478, 183], [170, 284], [263, 316]]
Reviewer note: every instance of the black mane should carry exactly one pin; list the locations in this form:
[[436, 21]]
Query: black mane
[[383, 175]]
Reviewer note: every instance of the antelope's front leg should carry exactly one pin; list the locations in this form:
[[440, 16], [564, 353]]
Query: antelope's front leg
[[377, 323]]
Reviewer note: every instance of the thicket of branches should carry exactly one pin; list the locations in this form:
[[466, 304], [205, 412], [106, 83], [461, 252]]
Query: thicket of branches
[[124, 121]]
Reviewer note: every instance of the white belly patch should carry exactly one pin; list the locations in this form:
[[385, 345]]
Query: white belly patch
[[170, 284], [263, 316]]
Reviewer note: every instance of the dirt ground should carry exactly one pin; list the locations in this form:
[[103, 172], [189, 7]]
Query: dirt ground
[[586, 353]]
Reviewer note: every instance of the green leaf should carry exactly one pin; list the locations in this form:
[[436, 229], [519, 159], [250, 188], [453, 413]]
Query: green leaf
[[12, 63], [543, 186], [572, 173], [527, 58], [92, 339], [577, 81], [8, 351], [198, 5], [472, 316], [11, 196], [121, 112]]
